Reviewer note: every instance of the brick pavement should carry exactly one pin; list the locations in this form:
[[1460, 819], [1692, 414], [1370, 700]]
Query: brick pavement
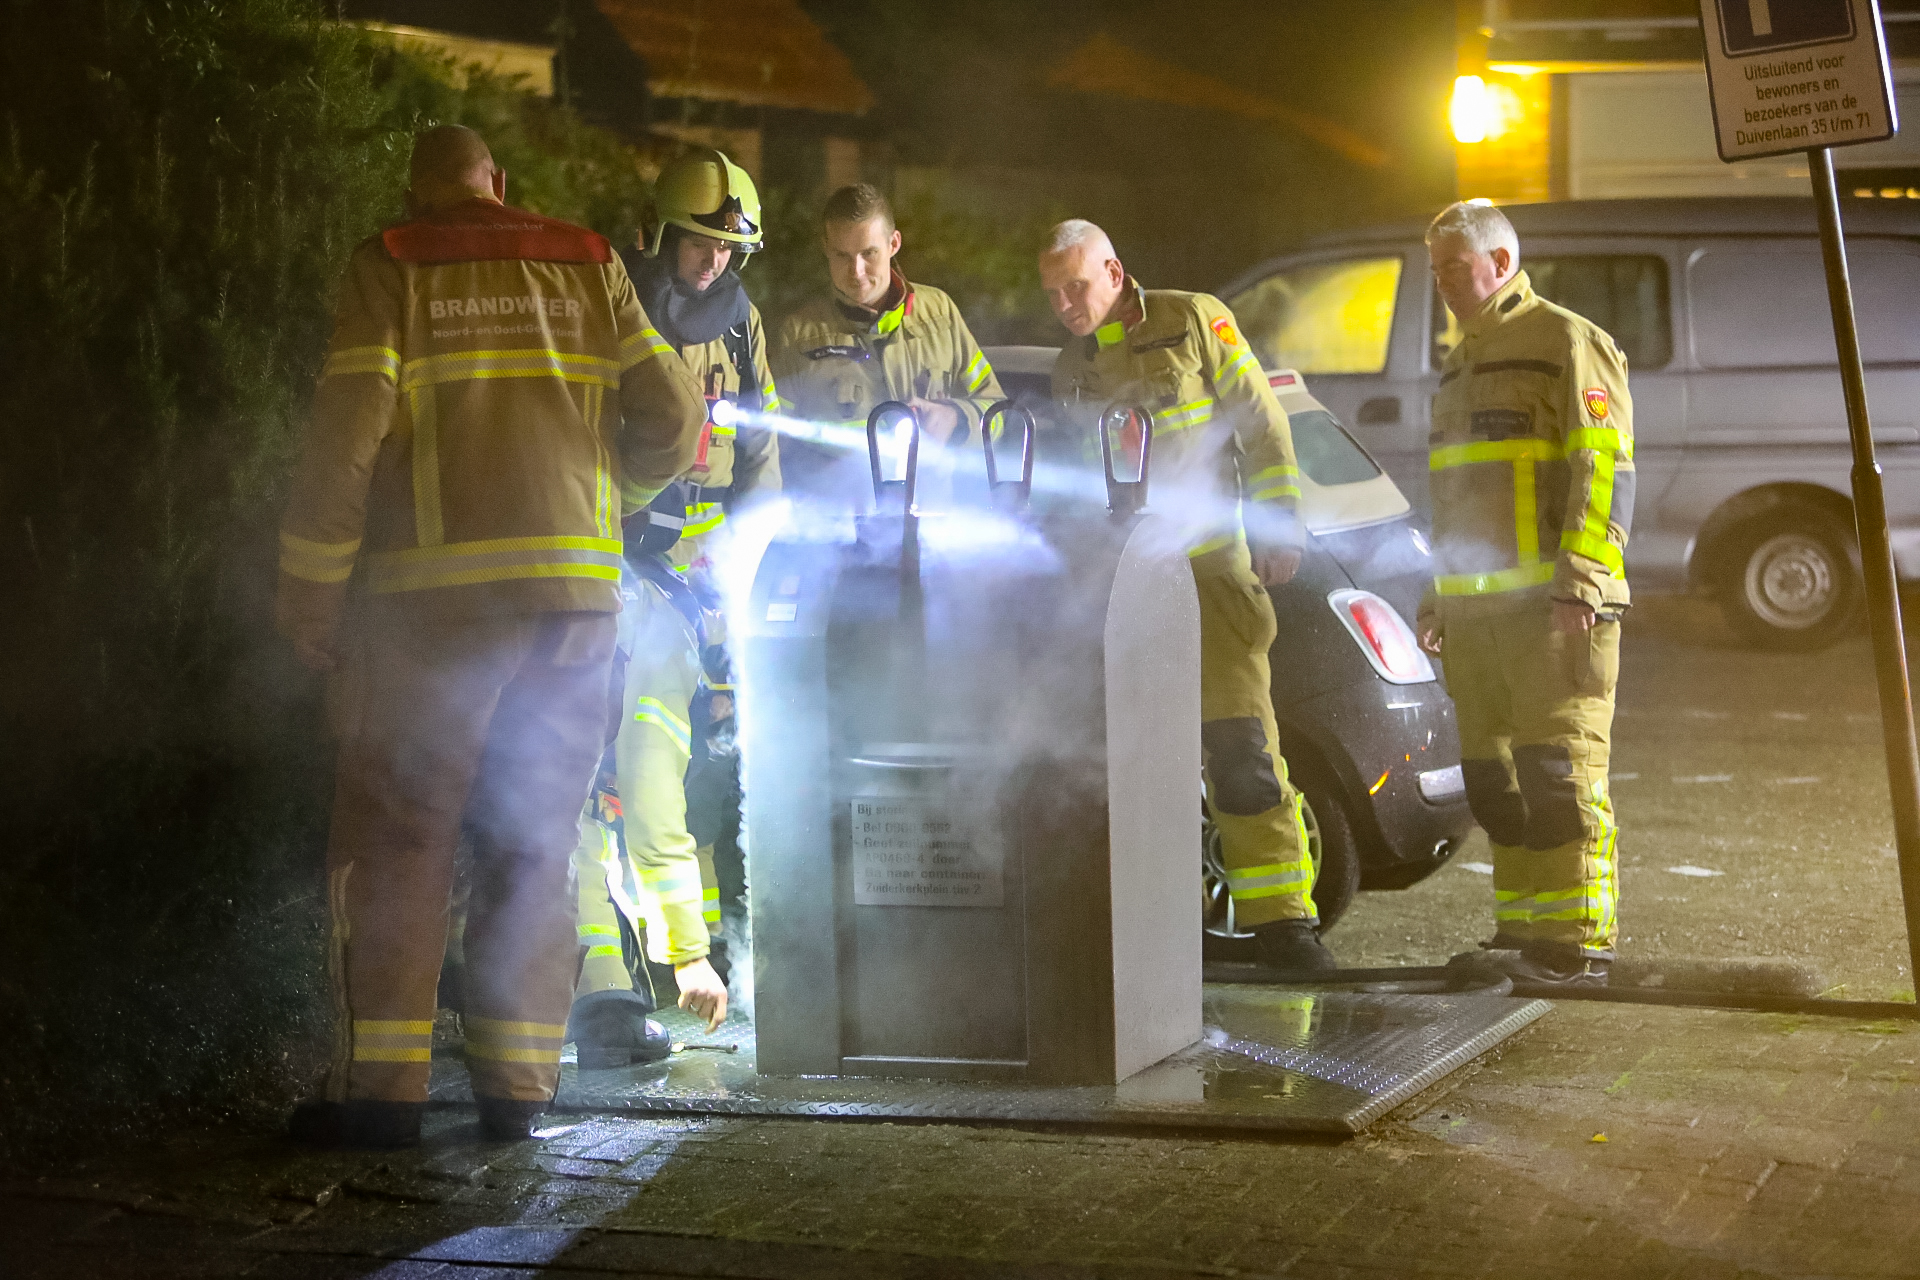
[[1735, 1145]]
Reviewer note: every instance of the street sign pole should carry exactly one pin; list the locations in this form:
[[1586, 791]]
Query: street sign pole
[[1787, 76], [1876, 560]]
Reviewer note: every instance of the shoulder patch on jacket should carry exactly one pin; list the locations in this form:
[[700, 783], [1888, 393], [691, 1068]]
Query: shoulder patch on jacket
[[1596, 398], [844, 353], [1223, 328], [1159, 344], [481, 231]]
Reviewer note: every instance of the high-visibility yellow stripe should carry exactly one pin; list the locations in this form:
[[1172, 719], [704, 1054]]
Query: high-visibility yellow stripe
[[375, 1027], [1460, 455], [638, 348], [302, 545], [500, 573], [531, 362], [500, 1027], [375, 1053], [493, 546], [604, 952], [495, 560], [1603, 439], [317, 561], [1241, 366], [1275, 491], [502, 1053], [1526, 517], [703, 517], [1215, 544], [978, 371], [1484, 584], [429, 529], [596, 931], [1592, 540], [384, 361], [1593, 548], [1274, 473]]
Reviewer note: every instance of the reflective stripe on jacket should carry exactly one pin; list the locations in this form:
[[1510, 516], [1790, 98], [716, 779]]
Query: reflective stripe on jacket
[[492, 399], [1220, 437], [1531, 460]]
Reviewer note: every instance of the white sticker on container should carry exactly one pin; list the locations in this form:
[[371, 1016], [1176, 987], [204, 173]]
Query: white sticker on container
[[782, 612]]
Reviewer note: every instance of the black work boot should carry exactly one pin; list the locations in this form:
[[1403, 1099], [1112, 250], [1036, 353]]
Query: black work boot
[[1293, 946], [612, 1029], [1543, 967], [361, 1123], [508, 1119]]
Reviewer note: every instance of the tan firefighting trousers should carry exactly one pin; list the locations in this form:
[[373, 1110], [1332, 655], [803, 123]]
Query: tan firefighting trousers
[[1535, 709], [1263, 836], [499, 722]]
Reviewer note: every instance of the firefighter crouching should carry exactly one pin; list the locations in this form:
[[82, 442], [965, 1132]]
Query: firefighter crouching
[[705, 220], [1532, 484], [1220, 438], [492, 397], [876, 338]]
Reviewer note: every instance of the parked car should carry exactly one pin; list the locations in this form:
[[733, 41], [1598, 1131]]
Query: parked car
[[1367, 730], [1721, 308]]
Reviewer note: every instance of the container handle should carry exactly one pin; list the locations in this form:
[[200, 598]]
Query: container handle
[[1011, 494], [893, 496]]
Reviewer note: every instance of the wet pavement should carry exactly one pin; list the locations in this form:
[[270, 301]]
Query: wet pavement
[[1603, 1141], [1752, 797]]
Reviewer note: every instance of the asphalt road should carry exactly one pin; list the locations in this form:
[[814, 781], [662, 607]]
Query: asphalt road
[[1752, 797]]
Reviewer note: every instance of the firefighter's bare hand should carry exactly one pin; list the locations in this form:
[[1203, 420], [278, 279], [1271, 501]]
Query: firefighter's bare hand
[[1430, 639], [701, 992], [937, 418], [1275, 566], [720, 708], [1570, 617]]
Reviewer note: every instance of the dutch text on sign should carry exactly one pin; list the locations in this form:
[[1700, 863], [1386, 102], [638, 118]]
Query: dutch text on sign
[[1787, 75]]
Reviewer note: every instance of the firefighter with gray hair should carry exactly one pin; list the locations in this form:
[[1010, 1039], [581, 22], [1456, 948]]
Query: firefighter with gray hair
[[1531, 470]]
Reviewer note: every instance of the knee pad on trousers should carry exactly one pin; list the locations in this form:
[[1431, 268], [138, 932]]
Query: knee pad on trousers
[[1244, 783], [1553, 802], [1501, 813]]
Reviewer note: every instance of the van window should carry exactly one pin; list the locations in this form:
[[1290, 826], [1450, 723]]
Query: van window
[[1623, 293], [1758, 305], [1326, 452], [1322, 317]]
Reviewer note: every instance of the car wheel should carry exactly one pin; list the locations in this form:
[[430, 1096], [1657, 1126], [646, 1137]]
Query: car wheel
[[1789, 582], [1336, 864]]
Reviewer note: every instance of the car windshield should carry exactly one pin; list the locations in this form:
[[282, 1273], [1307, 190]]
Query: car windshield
[[1323, 317], [1327, 453]]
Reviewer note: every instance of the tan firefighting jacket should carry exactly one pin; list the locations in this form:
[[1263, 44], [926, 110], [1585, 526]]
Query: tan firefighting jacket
[[492, 397], [835, 363], [1220, 437], [1530, 463], [739, 459]]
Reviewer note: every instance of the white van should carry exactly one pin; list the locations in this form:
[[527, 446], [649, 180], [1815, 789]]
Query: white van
[[1721, 308]]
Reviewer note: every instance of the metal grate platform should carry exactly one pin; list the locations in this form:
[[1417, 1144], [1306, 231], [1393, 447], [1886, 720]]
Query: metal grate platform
[[1272, 1058]]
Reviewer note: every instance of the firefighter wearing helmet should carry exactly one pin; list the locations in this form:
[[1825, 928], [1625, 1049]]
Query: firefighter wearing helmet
[[675, 728]]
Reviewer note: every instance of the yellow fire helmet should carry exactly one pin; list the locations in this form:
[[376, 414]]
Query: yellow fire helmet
[[709, 195]]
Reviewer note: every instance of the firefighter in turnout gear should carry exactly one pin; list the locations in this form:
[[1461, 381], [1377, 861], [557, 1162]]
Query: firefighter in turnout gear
[[877, 338], [704, 224], [492, 398], [1220, 445], [704, 221], [1532, 476]]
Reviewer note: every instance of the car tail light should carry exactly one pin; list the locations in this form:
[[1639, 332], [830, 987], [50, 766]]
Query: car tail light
[[1383, 635]]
